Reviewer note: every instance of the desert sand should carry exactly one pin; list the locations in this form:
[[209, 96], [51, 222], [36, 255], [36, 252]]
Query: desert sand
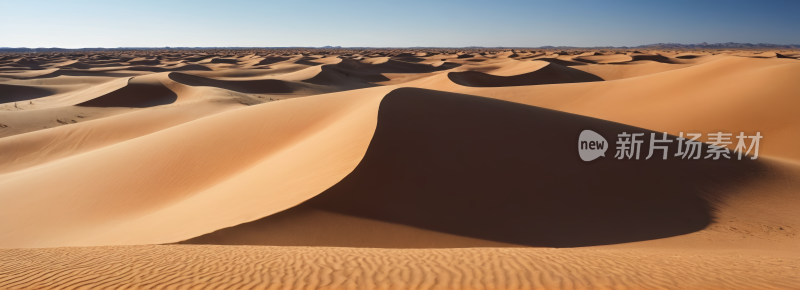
[[393, 169]]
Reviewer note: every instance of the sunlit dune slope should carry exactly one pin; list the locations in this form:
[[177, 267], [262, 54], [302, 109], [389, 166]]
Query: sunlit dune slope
[[624, 71], [40, 147], [241, 165]]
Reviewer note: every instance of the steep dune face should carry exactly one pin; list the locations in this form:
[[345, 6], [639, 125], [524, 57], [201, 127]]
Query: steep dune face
[[449, 170]]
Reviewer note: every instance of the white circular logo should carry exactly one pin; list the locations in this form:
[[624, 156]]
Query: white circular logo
[[591, 145]]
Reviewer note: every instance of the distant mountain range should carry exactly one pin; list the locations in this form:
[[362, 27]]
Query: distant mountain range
[[723, 45], [703, 45], [727, 45]]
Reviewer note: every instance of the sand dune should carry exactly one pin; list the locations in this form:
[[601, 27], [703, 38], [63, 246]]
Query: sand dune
[[549, 74], [37, 148], [268, 86], [390, 66], [716, 95], [451, 168], [604, 58], [277, 142], [489, 183], [615, 72], [14, 93], [28, 73], [144, 91]]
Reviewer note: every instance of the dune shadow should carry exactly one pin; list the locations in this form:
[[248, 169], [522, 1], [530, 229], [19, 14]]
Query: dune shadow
[[550, 74], [656, 58], [409, 59], [498, 173], [577, 59], [392, 66], [332, 75], [146, 62], [224, 60], [561, 61], [81, 73], [147, 68], [188, 67], [32, 64], [271, 60], [14, 93], [308, 61], [197, 58], [268, 86], [134, 95]]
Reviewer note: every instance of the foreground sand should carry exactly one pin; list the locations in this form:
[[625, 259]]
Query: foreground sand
[[249, 267], [392, 169]]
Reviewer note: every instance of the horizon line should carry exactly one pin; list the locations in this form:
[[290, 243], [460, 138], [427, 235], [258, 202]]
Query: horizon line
[[702, 45]]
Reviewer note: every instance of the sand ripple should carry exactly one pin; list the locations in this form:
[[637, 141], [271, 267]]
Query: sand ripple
[[246, 267]]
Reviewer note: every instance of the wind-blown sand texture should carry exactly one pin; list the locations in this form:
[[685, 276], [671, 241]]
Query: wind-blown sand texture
[[262, 169]]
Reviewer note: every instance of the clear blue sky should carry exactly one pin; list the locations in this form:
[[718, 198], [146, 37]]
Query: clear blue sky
[[398, 23]]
